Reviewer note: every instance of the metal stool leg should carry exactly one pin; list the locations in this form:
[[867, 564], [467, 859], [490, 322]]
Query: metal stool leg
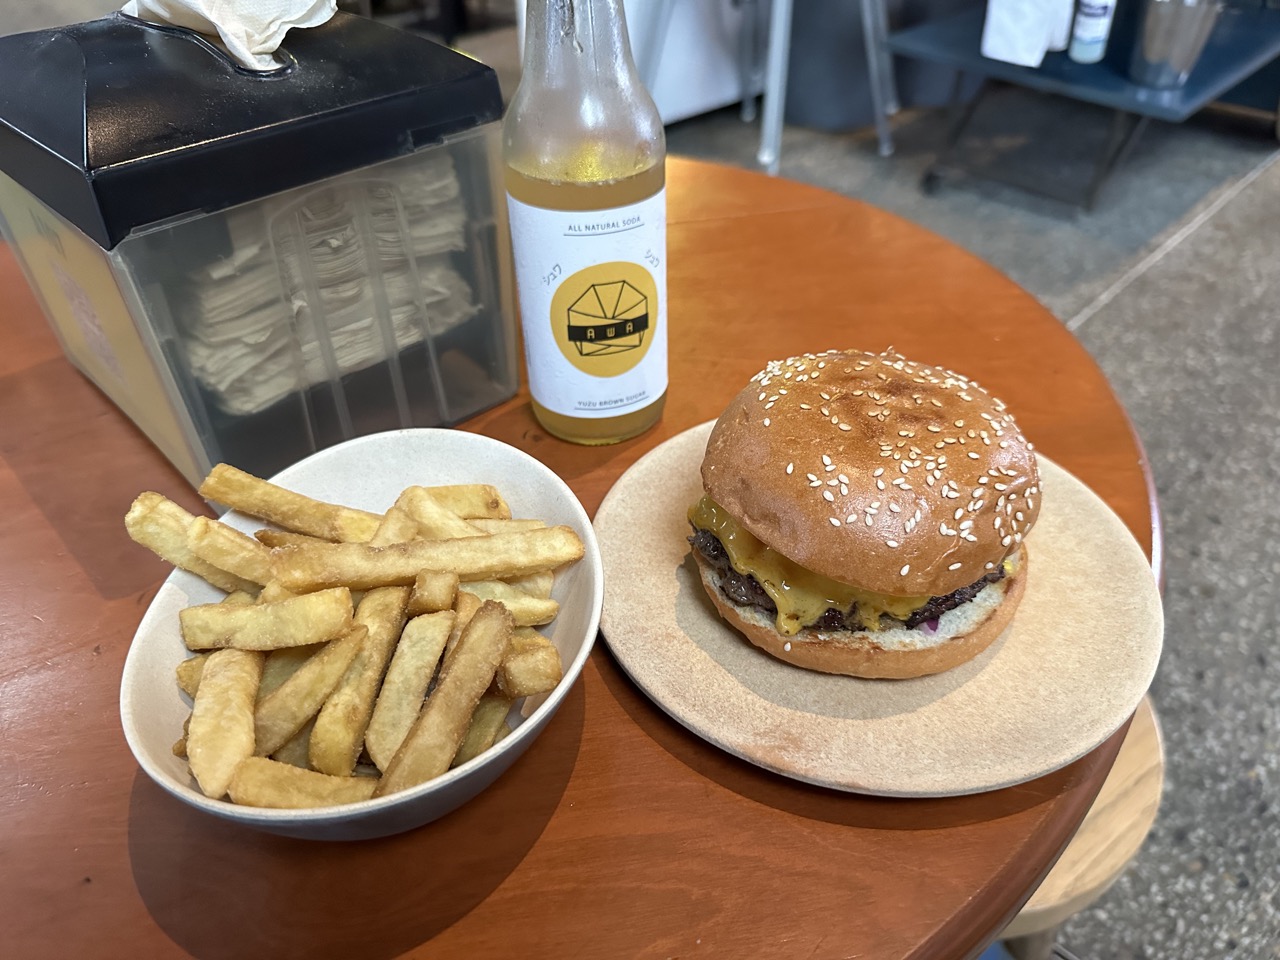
[[879, 71], [775, 86], [749, 74]]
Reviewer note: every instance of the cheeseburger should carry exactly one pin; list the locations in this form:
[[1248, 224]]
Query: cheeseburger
[[865, 514]]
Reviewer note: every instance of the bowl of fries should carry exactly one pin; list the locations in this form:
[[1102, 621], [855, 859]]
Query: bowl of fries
[[363, 642]]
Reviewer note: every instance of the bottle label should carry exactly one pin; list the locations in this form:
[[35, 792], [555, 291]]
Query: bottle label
[[593, 301], [1093, 21]]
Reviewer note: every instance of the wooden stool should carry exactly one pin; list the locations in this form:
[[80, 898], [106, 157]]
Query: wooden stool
[[1109, 837]]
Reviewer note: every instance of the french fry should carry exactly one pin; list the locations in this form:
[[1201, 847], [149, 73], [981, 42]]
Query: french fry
[[260, 782], [504, 731], [180, 745], [293, 511], [405, 685], [296, 622], [241, 597], [282, 664], [229, 549], [432, 591], [282, 713], [497, 525], [189, 672], [464, 608], [297, 749], [221, 732], [528, 611], [490, 717], [535, 584], [436, 735], [397, 526], [531, 666], [434, 521], [471, 501], [271, 537], [361, 567], [160, 525], [340, 726], [273, 592]]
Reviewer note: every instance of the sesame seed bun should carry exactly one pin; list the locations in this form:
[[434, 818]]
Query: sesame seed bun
[[895, 654], [893, 476]]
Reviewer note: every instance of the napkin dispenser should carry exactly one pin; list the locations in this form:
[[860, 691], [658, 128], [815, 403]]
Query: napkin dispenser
[[255, 266]]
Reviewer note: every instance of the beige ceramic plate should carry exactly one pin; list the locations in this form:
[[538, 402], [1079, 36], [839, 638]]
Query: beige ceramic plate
[[1069, 671]]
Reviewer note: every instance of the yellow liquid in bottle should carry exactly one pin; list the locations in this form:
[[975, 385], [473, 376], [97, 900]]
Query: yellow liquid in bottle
[[599, 194]]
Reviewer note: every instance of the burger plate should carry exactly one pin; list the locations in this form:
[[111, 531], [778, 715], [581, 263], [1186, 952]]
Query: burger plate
[[1070, 670]]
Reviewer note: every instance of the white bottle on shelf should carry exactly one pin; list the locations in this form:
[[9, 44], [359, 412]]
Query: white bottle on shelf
[[1092, 27]]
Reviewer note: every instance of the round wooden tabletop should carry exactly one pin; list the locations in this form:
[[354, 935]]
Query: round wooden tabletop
[[619, 833]]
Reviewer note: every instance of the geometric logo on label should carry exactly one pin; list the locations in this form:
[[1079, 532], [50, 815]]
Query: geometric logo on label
[[608, 318], [604, 317]]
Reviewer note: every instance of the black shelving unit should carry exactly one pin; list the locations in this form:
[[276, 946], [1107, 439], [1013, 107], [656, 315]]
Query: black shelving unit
[[1243, 42]]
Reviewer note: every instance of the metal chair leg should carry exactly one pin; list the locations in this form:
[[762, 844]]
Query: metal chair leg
[[960, 119], [749, 73], [879, 71], [775, 87]]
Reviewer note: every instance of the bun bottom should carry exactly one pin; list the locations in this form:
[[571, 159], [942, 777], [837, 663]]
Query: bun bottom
[[893, 654]]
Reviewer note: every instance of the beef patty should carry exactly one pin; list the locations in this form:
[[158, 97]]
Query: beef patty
[[744, 590]]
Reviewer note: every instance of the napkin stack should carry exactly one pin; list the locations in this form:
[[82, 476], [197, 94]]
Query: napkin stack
[[315, 288]]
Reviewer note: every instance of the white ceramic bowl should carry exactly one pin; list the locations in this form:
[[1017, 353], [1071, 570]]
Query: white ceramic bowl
[[369, 473]]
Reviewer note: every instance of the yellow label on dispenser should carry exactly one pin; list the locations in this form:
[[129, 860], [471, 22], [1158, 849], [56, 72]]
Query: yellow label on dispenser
[[74, 281]]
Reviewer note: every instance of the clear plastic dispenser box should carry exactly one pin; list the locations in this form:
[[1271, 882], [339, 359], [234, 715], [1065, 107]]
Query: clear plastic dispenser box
[[257, 266]]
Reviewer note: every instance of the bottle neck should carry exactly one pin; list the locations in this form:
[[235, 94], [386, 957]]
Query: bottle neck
[[571, 38]]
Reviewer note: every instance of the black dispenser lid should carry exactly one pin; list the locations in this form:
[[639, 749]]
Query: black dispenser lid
[[117, 124]]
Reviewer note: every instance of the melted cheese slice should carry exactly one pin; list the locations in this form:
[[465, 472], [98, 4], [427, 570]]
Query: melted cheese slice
[[801, 595]]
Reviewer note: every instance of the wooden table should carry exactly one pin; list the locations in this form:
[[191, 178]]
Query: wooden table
[[618, 834]]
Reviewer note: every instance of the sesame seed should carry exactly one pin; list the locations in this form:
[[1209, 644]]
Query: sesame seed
[[972, 455], [954, 566], [827, 496], [877, 471], [990, 565], [811, 476], [790, 467], [1006, 540], [959, 513], [891, 543], [845, 426], [805, 406], [766, 421], [787, 646], [869, 520], [834, 521], [879, 484], [895, 508], [906, 568], [826, 460]]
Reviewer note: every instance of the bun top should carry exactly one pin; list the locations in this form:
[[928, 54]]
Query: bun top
[[873, 470]]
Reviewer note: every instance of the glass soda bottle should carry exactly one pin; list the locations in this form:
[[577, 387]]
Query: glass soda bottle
[[584, 154]]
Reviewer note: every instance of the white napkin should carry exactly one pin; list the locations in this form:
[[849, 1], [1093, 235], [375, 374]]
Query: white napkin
[[251, 30], [1019, 31]]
